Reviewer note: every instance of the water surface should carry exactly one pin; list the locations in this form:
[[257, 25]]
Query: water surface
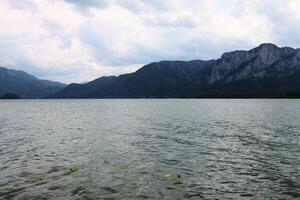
[[150, 149]]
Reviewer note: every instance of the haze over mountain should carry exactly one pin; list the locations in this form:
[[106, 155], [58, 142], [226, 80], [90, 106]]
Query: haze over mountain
[[265, 71], [26, 85]]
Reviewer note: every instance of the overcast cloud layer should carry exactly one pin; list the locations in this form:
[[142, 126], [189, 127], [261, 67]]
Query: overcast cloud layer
[[79, 40]]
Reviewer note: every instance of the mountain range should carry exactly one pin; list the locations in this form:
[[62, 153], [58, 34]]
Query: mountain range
[[26, 85], [265, 71]]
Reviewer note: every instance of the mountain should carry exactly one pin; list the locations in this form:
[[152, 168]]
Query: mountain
[[25, 85], [265, 71]]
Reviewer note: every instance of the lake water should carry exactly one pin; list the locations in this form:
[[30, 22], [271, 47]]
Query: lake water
[[150, 149]]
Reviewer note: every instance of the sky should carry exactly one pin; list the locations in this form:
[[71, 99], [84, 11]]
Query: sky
[[80, 40]]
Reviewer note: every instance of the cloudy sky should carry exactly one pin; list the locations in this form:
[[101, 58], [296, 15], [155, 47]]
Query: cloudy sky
[[79, 40]]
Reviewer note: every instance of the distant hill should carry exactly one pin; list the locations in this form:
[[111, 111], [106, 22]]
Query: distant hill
[[10, 96], [265, 71], [25, 85]]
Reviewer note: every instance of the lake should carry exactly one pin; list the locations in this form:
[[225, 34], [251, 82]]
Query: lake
[[150, 149]]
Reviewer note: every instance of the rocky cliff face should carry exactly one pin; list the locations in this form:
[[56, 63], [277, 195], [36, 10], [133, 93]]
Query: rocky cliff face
[[258, 62], [266, 70]]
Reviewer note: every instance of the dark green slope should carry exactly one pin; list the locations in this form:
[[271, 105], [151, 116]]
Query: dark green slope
[[25, 85]]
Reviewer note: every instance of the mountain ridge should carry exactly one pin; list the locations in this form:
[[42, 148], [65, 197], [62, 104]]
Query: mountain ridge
[[264, 71]]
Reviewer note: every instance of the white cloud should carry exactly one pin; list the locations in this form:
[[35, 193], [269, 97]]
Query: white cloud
[[73, 41]]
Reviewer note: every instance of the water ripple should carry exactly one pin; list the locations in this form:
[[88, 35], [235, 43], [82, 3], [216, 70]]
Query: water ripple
[[150, 149]]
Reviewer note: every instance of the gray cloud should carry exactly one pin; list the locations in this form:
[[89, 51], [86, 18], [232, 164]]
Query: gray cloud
[[139, 6], [24, 4], [136, 6], [89, 3], [285, 24]]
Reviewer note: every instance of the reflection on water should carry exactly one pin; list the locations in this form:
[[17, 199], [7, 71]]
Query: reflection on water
[[150, 149]]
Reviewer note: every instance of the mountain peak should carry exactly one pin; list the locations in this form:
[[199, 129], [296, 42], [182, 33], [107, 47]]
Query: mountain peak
[[264, 47], [268, 46]]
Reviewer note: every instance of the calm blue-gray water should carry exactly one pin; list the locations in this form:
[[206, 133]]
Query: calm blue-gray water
[[150, 149]]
